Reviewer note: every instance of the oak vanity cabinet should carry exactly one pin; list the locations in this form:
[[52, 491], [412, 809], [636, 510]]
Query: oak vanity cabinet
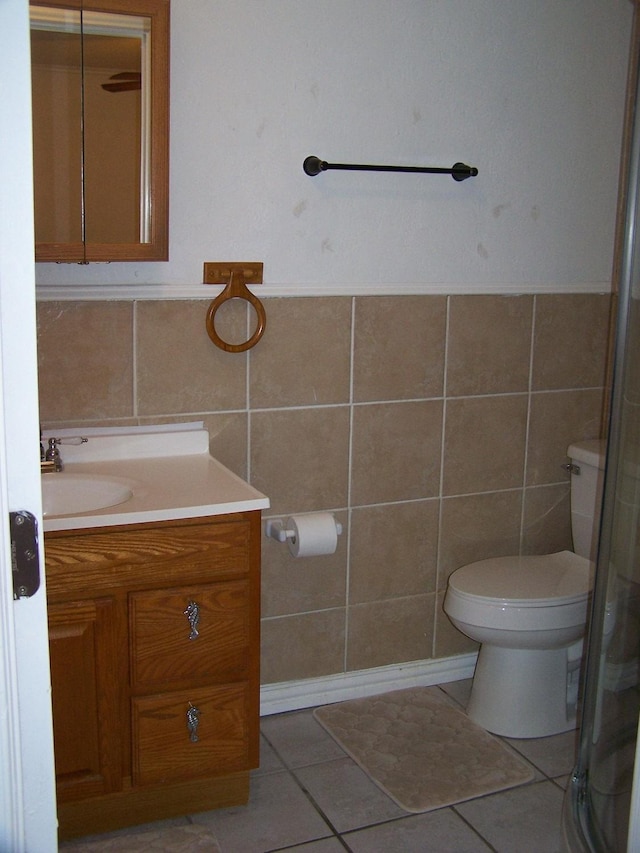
[[154, 642]]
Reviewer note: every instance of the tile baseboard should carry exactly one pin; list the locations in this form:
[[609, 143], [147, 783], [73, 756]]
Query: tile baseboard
[[311, 692]]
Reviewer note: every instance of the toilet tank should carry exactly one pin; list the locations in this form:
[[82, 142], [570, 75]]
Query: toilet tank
[[587, 476]]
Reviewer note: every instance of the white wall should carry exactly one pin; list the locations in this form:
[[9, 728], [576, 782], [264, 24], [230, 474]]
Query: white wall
[[530, 92]]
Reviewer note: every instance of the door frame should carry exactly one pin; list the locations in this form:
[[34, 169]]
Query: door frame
[[28, 820]]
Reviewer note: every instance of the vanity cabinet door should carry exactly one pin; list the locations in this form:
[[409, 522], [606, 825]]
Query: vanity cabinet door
[[85, 689], [189, 734]]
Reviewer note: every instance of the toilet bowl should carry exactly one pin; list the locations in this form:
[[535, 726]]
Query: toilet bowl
[[529, 615], [520, 686]]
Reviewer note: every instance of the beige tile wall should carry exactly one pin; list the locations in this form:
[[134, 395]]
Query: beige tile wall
[[434, 427]]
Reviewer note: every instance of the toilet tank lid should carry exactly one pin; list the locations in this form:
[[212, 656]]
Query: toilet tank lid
[[589, 452]]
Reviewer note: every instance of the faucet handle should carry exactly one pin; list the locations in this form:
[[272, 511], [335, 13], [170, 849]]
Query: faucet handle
[[71, 439]]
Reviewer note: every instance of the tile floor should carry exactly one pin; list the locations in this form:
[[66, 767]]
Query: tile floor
[[309, 796]]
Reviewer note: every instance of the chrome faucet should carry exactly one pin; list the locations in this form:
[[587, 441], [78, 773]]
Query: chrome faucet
[[51, 460]]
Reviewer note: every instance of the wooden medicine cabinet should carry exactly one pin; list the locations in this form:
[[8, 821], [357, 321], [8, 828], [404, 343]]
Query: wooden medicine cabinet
[[100, 91]]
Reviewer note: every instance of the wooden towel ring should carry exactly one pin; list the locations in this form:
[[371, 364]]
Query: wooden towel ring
[[235, 289]]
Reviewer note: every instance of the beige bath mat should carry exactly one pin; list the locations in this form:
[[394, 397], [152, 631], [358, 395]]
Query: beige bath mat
[[171, 839], [420, 750]]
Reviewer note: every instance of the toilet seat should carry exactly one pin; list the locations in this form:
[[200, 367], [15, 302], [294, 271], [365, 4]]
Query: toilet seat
[[521, 594], [550, 580]]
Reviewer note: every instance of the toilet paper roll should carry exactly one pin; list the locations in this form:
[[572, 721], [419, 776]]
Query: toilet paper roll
[[313, 534]]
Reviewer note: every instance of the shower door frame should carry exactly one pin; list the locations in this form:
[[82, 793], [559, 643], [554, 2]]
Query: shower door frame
[[581, 831]]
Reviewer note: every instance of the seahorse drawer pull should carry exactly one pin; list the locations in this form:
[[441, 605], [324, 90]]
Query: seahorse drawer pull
[[193, 721], [193, 615]]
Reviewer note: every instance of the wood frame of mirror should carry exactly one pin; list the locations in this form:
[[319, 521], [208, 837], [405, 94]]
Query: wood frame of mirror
[[157, 246]]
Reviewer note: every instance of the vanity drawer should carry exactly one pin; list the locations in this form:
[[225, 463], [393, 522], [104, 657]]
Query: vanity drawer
[[165, 748], [151, 555], [170, 647]]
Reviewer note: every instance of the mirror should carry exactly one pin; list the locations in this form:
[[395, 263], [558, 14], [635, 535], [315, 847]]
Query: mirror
[[100, 90]]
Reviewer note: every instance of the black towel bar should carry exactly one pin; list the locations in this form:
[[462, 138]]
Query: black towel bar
[[459, 171]]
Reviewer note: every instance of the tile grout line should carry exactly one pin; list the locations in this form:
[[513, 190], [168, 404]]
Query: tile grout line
[[347, 580], [304, 790], [474, 830], [443, 421], [527, 433]]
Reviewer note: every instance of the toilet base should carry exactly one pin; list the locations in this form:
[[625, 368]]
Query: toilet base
[[521, 693]]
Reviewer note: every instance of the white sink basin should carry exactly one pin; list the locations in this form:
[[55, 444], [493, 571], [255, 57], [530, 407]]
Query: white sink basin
[[69, 494]]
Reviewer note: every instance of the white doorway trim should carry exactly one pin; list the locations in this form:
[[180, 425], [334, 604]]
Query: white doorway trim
[[27, 800]]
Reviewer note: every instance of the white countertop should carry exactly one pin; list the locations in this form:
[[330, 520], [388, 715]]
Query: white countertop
[[181, 481]]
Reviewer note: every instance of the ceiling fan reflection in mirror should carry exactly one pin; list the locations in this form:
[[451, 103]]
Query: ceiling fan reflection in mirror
[[125, 81]]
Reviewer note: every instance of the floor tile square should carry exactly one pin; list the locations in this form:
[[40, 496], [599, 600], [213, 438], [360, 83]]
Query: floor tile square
[[278, 814], [269, 760], [554, 756], [325, 845], [299, 739], [458, 690], [522, 820], [346, 795], [436, 832]]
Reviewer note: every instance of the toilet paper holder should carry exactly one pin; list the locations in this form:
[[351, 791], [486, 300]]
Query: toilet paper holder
[[276, 529]]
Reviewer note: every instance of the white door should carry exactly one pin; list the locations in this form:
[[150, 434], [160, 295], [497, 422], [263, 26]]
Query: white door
[[27, 789]]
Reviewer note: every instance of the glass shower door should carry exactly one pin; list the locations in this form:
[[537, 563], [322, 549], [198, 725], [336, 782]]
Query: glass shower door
[[601, 811]]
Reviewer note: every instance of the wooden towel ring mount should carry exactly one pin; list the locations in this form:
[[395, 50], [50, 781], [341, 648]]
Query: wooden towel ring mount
[[235, 276]]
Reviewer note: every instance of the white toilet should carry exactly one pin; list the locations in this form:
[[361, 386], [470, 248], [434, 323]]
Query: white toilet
[[529, 614]]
